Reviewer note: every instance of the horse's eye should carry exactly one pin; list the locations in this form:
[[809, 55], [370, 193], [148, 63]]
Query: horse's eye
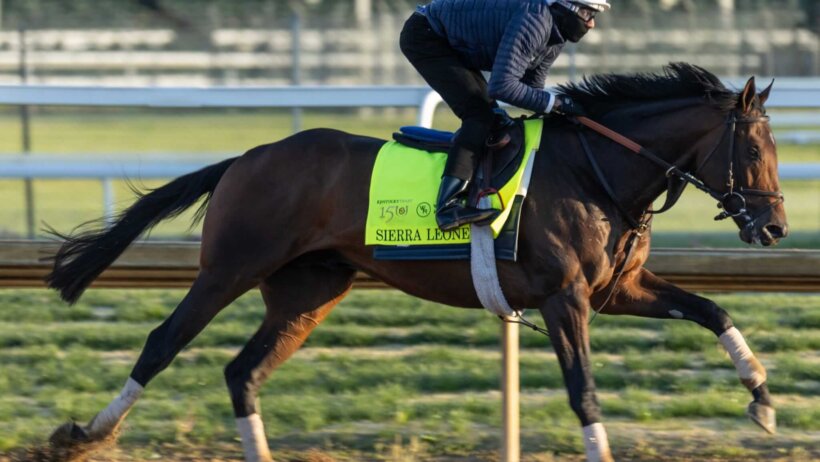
[[754, 153]]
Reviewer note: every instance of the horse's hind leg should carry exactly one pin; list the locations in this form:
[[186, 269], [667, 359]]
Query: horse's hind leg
[[297, 299], [211, 291], [650, 296], [566, 314]]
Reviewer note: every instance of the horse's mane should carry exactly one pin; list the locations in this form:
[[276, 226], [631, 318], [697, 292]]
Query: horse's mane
[[601, 93]]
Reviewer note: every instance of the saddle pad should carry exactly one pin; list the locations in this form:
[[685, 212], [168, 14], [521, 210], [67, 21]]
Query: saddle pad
[[403, 190]]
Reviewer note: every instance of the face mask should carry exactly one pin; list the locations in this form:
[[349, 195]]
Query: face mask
[[572, 27]]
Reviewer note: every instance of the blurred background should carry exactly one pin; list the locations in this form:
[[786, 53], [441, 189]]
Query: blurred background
[[261, 42]]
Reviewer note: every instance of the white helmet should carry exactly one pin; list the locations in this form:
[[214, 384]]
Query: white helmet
[[597, 5]]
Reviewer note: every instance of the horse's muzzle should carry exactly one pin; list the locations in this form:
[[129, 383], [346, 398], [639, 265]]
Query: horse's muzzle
[[772, 233], [766, 235]]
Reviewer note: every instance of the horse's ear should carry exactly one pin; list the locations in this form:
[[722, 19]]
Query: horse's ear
[[747, 96], [764, 95]]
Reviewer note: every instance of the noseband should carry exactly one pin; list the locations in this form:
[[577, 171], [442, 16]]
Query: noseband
[[732, 202]]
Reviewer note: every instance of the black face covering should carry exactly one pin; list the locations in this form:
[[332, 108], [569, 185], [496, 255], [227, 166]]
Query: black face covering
[[572, 27]]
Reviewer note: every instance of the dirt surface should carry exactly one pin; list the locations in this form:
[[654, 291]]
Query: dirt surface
[[194, 454]]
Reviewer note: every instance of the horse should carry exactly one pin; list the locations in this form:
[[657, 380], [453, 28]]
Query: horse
[[288, 217]]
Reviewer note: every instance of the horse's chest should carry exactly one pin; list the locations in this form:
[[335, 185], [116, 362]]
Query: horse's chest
[[602, 252]]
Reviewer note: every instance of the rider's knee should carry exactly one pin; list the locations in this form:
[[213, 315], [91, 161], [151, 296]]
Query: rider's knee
[[474, 132]]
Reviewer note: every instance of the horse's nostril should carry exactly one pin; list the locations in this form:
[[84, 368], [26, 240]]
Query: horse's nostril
[[776, 231]]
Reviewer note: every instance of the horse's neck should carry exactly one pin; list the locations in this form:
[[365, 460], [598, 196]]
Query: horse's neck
[[675, 137]]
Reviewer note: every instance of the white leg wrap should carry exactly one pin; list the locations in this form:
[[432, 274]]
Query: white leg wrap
[[751, 372], [109, 418], [596, 443], [254, 443]]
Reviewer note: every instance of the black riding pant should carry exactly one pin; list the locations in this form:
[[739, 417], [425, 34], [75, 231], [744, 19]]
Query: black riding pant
[[464, 89]]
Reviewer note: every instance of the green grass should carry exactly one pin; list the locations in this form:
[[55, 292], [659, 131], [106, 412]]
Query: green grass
[[387, 376], [102, 131], [387, 373]]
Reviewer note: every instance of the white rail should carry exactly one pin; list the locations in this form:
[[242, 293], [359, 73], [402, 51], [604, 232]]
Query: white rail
[[420, 97], [133, 166], [789, 94], [193, 97]]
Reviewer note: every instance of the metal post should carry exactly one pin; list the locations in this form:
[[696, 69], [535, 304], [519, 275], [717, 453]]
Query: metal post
[[573, 62], [727, 14], [296, 74], [511, 444], [363, 10], [28, 185], [427, 109], [727, 23], [108, 200]]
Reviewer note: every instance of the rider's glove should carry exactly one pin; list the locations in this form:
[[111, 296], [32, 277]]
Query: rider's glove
[[566, 106]]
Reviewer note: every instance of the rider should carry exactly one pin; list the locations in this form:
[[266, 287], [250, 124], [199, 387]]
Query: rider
[[450, 42]]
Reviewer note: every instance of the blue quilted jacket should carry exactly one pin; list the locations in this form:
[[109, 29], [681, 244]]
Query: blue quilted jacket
[[515, 39]]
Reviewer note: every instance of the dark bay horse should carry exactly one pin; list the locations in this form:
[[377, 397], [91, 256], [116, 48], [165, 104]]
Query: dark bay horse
[[289, 217]]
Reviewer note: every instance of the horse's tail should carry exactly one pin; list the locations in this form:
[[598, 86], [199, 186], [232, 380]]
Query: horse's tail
[[85, 255]]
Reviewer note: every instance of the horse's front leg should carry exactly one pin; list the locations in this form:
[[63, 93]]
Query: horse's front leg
[[566, 314], [644, 294]]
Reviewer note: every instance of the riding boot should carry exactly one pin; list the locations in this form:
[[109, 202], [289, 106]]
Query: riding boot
[[451, 210]]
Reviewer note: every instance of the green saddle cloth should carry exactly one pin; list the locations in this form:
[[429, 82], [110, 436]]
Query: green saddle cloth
[[404, 186]]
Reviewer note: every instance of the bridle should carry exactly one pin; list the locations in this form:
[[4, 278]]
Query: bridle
[[732, 202]]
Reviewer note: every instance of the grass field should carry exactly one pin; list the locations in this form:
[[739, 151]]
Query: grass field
[[64, 204], [386, 377], [389, 377]]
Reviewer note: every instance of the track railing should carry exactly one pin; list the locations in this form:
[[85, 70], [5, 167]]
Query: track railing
[[155, 264]]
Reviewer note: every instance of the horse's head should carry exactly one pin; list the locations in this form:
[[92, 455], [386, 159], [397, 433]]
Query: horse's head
[[742, 171]]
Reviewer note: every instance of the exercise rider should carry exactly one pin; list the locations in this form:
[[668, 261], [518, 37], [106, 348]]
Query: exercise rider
[[450, 42]]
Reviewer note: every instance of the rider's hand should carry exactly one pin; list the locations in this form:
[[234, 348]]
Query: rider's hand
[[566, 106]]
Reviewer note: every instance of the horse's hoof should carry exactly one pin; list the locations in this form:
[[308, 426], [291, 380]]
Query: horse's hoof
[[763, 415], [68, 434]]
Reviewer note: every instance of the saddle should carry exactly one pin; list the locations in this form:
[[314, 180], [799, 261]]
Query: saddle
[[497, 164]]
